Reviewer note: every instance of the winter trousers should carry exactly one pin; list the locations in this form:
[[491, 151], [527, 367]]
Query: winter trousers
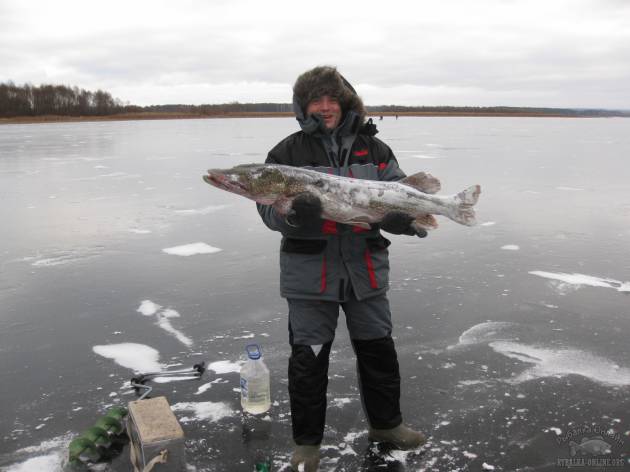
[[312, 326]]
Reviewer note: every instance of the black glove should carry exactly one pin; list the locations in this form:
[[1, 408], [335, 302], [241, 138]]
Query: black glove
[[305, 210], [397, 222]]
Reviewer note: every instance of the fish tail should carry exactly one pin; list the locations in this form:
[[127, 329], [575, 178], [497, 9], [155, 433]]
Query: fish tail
[[464, 201]]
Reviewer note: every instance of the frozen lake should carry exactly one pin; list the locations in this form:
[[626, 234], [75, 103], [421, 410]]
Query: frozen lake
[[512, 335]]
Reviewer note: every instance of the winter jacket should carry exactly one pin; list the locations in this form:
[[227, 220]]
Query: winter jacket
[[320, 263]]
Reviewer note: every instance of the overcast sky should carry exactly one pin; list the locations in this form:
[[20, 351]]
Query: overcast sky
[[551, 53]]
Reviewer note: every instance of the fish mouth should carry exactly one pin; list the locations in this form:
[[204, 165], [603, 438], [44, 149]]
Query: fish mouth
[[224, 183]]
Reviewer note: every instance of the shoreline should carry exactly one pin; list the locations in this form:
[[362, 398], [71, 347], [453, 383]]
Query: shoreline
[[193, 116]]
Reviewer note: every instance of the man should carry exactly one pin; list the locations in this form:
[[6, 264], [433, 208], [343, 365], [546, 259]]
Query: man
[[325, 265]]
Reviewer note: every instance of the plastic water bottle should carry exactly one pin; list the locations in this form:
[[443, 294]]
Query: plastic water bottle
[[255, 385]]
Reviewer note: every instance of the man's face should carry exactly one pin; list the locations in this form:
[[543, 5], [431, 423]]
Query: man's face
[[328, 108]]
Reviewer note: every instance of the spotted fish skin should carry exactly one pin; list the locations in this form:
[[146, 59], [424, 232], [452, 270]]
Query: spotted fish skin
[[348, 200]]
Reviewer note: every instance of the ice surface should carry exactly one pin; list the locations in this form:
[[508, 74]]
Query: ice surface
[[489, 331], [582, 279], [138, 357], [191, 249]]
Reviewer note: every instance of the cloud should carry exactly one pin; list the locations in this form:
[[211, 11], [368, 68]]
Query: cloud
[[489, 52]]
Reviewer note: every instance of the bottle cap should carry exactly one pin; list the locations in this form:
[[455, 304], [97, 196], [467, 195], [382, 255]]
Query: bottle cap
[[253, 351]]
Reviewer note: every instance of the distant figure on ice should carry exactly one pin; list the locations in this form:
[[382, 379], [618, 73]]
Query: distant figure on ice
[[327, 265]]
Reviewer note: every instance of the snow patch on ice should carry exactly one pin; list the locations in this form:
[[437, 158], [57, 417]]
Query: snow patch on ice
[[582, 279], [503, 338], [397, 455], [201, 211], [165, 323], [54, 451], [510, 247], [547, 362], [203, 388], [340, 402], [62, 258], [148, 308], [138, 357], [191, 249], [49, 462], [163, 319], [206, 411], [425, 156], [569, 189], [225, 367], [353, 435], [488, 223], [59, 442], [245, 336]]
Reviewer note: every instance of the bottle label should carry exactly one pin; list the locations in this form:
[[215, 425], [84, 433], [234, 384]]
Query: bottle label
[[244, 390]]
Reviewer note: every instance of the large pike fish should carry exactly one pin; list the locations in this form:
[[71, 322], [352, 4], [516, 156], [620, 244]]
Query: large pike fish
[[347, 200]]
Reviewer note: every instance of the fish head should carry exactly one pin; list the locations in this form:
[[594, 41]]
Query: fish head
[[263, 183]]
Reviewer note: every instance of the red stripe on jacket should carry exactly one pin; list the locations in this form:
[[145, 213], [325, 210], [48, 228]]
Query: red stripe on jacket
[[322, 287], [370, 268]]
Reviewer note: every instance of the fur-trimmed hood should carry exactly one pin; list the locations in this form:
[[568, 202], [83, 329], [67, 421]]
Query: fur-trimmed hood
[[325, 80]]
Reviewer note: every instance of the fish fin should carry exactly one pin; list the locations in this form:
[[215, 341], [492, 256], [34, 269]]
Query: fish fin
[[283, 205], [464, 201], [422, 181], [426, 222]]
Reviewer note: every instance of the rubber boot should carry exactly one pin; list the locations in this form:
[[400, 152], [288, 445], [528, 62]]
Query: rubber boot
[[307, 455], [401, 436]]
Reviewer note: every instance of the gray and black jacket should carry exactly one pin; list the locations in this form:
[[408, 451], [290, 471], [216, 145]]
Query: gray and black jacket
[[326, 260]]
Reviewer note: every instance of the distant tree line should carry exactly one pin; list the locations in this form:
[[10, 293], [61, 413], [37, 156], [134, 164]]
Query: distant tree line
[[233, 107], [30, 100], [496, 110]]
